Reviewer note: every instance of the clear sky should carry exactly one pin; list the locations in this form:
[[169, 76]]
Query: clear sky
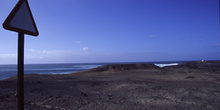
[[86, 31]]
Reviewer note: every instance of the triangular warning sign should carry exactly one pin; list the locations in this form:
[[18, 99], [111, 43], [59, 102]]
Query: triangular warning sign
[[21, 20]]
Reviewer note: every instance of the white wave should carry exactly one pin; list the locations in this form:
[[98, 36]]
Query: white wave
[[163, 65], [86, 66]]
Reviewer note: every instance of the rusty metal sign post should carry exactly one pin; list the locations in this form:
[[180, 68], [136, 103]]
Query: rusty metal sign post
[[21, 20]]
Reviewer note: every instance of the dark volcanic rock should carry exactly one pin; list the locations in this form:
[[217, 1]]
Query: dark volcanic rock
[[123, 67], [200, 65]]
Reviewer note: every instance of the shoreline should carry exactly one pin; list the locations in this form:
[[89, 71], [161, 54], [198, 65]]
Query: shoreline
[[70, 67]]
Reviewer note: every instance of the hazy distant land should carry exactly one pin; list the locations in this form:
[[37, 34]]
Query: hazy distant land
[[191, 85]]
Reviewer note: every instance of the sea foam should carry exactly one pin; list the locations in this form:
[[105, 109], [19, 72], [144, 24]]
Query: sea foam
[[169, 64]]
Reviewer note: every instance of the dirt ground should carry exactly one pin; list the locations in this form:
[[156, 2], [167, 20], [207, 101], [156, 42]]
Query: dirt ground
[[172, 88]]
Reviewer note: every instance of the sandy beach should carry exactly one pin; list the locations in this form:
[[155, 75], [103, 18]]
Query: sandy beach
[[192, 85]]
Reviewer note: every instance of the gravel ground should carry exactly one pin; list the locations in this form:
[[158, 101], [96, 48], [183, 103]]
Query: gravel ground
[[171, 88]]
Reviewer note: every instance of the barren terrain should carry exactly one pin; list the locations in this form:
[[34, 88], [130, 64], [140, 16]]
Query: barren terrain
[[193, 85]]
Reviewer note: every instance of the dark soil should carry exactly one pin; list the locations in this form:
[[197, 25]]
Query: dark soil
[[137, 87]]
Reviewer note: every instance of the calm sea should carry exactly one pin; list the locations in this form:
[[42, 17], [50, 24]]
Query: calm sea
[[7, 71]]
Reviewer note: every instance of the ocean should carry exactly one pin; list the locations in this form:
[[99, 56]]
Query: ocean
[[7, 71]]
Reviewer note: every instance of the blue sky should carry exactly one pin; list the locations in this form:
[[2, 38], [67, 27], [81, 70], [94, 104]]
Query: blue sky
[[85, 31]]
